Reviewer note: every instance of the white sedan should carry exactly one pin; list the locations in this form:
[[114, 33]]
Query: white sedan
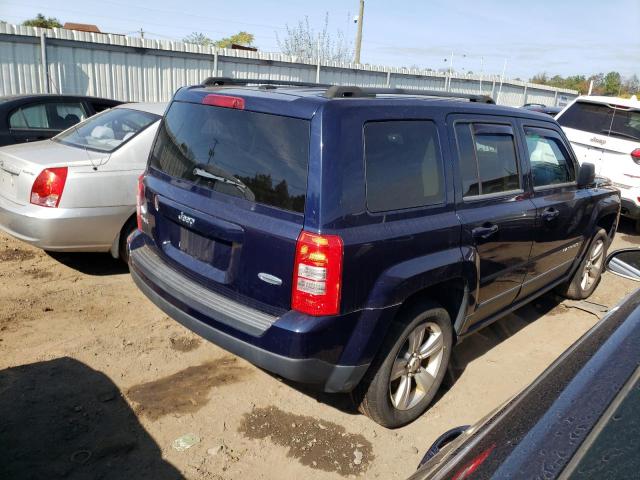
[[77, 191]]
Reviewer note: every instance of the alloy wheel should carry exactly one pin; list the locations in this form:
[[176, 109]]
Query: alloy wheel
[[416, 366], [593, 265]]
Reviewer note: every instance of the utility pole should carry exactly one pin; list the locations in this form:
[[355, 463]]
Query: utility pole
[[141, 33], [359, 34]]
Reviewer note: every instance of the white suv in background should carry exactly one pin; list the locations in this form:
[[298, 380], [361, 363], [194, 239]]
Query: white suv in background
[[605, 131]]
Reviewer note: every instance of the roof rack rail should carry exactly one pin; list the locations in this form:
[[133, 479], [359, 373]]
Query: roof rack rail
[[342, 91], [225, 81]]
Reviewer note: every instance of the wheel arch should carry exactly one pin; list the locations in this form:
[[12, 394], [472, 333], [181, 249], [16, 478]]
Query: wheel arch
[[115, 246]]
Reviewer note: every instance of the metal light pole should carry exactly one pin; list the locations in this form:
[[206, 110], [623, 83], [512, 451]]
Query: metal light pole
[[450, 73], [504, 70], [481, 72], [359, 34]]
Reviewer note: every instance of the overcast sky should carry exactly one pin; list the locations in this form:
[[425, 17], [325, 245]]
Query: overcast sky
[[563, 37]]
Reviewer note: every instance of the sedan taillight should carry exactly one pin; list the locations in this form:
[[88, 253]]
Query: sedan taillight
[[141, 203], [48, 186]]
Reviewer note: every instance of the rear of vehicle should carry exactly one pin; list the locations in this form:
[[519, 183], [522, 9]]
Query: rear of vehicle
[[70, 193], [606, 132], [221, 246]]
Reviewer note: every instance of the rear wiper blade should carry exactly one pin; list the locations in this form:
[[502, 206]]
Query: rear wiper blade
[[217, 174], [213, 173], [619, 134]]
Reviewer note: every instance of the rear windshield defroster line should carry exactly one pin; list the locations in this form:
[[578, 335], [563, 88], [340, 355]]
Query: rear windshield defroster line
[[256, 156]]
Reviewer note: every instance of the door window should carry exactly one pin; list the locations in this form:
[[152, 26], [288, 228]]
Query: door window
[[550, 163], [31, 116], [488, 162], [403, 166], [65, 115]]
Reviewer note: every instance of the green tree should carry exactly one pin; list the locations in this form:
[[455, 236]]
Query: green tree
[[632, 85], [612, 83], [304, 42], [42, 22], [241, 38], [199, 39]]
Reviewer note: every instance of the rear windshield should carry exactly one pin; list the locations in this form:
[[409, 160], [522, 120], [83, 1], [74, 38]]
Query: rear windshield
[[107, 131], [602, 119], [256, 156]]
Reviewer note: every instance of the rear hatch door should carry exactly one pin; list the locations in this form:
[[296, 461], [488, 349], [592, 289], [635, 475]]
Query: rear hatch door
[[605, 134], [226, 189]]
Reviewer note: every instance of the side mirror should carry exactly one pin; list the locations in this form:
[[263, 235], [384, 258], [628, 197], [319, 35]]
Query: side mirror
[[625, 263], [586, 175]]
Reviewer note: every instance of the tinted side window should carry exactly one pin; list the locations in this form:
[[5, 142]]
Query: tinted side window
[[32, 116], [468, 162], [488, 161], [65, 115], [550, 163], [403, 165], [99, 106]]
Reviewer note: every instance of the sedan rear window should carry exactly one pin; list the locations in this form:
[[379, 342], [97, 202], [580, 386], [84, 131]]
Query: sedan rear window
[[602, 119], [107, 131], [256, 156]]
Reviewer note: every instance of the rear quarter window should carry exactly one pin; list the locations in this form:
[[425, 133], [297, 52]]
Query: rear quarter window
[[256, 156], [403, 165]]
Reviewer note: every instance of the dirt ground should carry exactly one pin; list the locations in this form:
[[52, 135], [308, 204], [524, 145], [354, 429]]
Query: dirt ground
[[96, 382]]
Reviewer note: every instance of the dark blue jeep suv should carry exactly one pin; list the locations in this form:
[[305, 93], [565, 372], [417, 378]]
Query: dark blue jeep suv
[[347, 237]]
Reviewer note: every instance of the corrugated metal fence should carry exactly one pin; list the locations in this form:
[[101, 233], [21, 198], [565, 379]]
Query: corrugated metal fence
[[134, 69]]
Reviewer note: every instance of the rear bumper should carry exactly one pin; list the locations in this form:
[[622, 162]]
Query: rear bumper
[[329, 353], [331, 378], [63, 229]]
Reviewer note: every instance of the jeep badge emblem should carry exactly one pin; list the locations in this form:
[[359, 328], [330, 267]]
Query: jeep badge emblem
[[186, 219], [270, 279]]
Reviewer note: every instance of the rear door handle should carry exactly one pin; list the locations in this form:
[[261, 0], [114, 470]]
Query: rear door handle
[[484, 232], [550, 214]]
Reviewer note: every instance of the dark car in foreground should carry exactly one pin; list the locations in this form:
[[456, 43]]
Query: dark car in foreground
[[579, 420], [346, 237], [27, 118]]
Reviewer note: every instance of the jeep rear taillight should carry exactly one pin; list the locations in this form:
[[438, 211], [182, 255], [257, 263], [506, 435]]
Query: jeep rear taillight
[[141, 203], [317, 274], [48, 186], [635, 156]]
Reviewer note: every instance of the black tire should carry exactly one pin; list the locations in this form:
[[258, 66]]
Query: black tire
[[636, 224], [576, 289], [127, 230], [374, 394]]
